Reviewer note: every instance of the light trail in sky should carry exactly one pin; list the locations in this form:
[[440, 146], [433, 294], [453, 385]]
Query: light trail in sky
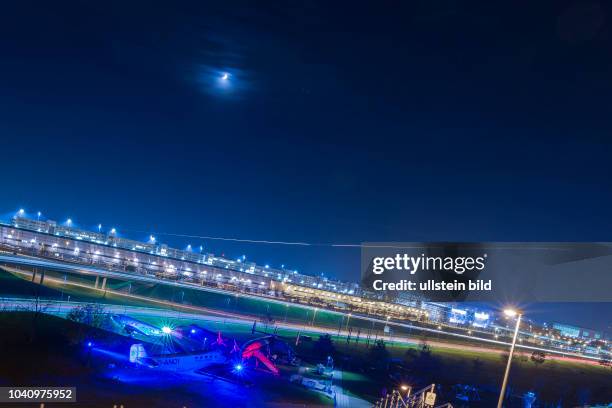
[[261, 241]]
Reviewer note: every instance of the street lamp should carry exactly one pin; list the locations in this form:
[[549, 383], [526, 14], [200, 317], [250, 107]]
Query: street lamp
[[348, 319], [518, 315]]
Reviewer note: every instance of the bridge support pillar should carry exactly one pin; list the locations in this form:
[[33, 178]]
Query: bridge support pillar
[[97, 279], [103, 284]]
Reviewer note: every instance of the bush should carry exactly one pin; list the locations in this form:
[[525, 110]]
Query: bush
[[538, 357], [324, 347], [93, 315], [379, 355]]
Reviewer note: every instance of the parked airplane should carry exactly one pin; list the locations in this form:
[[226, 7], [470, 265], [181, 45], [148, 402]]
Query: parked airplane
[[178, 361], [194, 348]]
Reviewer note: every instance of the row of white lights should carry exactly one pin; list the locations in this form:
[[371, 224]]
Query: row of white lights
[[152, 238]]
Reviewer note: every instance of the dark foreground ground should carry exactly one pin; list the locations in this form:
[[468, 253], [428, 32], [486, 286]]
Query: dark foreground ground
[[41, 350], [556, 383]]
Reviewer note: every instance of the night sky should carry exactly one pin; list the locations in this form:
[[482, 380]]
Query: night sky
[[338, 122]]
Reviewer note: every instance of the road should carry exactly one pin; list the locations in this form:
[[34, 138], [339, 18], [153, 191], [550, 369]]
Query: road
[[204, 315], [215, 313], [344, 400]]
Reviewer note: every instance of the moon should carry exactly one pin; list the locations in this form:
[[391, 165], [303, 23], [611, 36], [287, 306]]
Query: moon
[[225, 76]]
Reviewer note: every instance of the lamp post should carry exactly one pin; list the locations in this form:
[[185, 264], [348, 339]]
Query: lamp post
[[509, 313], [348, 318]]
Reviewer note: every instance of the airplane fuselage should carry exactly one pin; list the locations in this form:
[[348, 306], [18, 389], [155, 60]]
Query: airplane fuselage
[[132, 325], [190, 362]]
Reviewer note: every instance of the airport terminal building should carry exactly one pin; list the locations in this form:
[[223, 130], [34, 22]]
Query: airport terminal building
[[66, 243]]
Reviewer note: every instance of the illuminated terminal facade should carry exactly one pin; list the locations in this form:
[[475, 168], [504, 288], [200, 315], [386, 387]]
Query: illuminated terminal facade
[[110, 251], [577, 332]]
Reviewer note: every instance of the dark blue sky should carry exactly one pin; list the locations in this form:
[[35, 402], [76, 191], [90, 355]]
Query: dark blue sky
[[343, 122]]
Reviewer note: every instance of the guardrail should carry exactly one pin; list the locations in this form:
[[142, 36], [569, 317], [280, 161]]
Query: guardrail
[[423, 398]]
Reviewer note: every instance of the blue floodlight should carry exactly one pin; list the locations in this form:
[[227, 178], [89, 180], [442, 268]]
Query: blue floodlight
[[238, 367], [166, 330]]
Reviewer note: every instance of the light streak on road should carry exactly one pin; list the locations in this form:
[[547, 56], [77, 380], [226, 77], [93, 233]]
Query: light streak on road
[[244, 318], [62, 308]]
